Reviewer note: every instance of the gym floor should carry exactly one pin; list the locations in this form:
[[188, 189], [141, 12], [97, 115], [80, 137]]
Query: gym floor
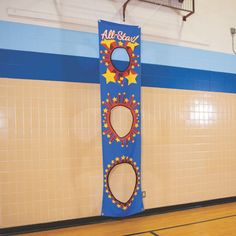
[[214, 220]]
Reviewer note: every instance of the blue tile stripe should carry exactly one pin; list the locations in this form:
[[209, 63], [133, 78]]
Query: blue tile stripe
[[37, 38], [68, 42], [54, 67]]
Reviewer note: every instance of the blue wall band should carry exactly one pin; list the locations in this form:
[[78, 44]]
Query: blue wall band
[[68, 42], [45, 66]]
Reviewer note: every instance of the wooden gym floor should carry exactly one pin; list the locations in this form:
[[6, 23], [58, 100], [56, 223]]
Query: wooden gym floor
[[219, 220]]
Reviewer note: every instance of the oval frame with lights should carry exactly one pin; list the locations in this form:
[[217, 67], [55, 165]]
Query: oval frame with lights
[[119, 76], [114, 163], [109, 131]]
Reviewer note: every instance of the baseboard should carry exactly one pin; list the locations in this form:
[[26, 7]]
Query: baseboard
[[99, 219]]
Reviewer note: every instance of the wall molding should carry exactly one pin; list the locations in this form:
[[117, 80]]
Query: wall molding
[[100, 219]]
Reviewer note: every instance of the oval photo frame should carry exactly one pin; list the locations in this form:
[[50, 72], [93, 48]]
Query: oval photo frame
[[132, 105], [120, 59], [118, 161]]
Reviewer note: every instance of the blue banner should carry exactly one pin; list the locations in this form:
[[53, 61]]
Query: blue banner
[[120, 81]]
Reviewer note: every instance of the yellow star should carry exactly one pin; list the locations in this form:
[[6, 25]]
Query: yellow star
[[109, 76], [117, 140], [131, 78], [105, 110], [120, 43], [136, 111], [132, 45], [108, 42], [114, 99]]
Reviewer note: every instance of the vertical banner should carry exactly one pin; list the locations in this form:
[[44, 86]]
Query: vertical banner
[[120, 80]]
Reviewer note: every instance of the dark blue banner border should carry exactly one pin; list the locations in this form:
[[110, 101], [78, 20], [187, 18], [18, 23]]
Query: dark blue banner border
[[120, 88], [54, 67]]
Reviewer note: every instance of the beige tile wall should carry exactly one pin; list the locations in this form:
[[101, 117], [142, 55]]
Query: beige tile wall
[[189, 146], [50, 149], [49, 170]]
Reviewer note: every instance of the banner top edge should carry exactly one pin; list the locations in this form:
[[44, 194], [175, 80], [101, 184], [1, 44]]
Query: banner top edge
[[118, 23]]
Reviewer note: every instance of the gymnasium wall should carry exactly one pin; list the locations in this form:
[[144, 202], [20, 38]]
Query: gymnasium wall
[[50, 144]]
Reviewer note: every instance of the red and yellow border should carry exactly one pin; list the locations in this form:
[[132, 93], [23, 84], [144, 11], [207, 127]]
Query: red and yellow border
[[112, 74], [133, 106], [118, 161]]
